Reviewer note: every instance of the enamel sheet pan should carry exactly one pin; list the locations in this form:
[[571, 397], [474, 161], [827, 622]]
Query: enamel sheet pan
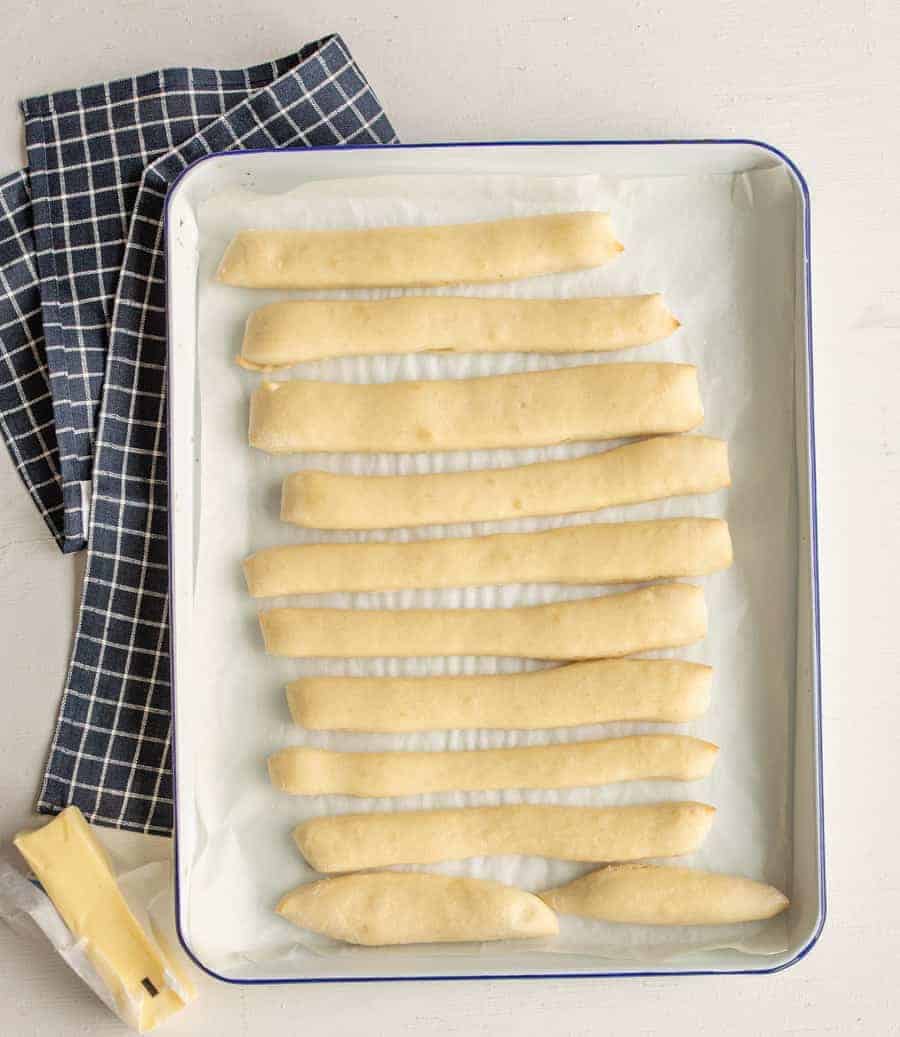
[[233, 847]]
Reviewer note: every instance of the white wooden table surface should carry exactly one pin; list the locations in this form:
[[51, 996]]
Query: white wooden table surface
[[820, 79]]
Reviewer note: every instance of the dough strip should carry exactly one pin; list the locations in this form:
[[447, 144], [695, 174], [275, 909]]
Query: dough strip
[[299, 330], [664, 466], [306, 771], [350, 842], [607, 552], [597, 692], [661, 616], [537, 408], [419, 256]]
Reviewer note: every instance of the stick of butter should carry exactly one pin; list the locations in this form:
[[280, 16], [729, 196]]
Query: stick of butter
[[146, 984]]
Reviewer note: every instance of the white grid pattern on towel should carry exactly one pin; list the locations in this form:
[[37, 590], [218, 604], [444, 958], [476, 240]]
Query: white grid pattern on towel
[[83, 365]]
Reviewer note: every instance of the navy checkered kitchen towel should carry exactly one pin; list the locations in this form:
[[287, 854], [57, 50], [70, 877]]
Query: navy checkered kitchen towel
[[82, 372]]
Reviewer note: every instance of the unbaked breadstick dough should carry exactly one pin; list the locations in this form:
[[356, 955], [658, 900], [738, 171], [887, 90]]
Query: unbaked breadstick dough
[[388, 908], [663, 616], [409, 256], [298, 330], [537, 408], [349, 842], [306, 771], [607, 552], [597, 692], [663, 466], [650, 894]]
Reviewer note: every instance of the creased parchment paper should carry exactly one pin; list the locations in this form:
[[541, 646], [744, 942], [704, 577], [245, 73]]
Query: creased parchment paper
[[720, 247]]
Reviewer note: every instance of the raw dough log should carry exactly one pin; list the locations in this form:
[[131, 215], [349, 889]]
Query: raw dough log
[[293, 332], [650, 894], [664, 466], [597, 692], [305, 771], [664, 616], [349, 842], [537, 408], [609, 552], [382, 909], [412, 256]]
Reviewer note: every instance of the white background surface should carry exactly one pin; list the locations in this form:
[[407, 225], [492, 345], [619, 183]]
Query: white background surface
[[818, 79]]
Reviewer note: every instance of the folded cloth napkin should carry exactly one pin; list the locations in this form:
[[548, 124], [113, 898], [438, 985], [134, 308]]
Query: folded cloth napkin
[[82, 373]]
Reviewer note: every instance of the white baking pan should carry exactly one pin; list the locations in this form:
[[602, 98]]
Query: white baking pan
[[212, 927]]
